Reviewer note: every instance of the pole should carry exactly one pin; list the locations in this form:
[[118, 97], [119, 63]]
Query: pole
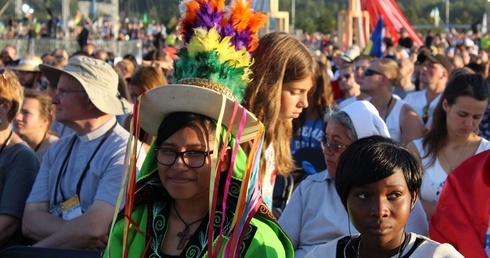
[[293, 15], [115, 19], [65, 10], [447, 14]]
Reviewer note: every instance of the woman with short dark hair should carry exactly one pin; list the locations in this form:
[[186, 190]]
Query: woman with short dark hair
[[378, 181]]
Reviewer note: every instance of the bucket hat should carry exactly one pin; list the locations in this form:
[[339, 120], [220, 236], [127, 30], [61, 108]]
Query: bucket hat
[[99, 80]]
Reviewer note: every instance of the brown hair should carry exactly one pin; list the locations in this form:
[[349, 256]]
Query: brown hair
[[148, 77], [11, 90], [464, 84], [280, 58]]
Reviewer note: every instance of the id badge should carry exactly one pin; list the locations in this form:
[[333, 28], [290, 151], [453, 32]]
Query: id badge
[[71, 208]]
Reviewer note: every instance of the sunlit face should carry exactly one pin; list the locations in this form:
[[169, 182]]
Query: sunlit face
[[465, 115], [431, 73], [29, 120], [359, 69], [379, 211], [181, 181], [73, 105], [346, 79], [335, 134], [294, 97], [373, 81]]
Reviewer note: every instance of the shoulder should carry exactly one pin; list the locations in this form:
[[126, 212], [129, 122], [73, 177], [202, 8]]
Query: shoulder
[[414, 95], [269, 240], [22, 149], [429, 248], [484, 145], [318, 177], [329, 249]]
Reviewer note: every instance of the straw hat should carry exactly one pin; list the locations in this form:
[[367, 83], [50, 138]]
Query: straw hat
[[28, 64]]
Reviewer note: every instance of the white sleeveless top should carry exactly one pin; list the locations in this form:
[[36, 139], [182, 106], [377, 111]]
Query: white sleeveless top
[[434, 176], [393, 120], [417, 100]]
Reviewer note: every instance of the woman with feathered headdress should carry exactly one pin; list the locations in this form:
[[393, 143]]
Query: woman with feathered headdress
[[197, 194]]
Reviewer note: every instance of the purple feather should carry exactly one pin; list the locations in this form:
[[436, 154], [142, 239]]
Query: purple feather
[[208, 18], [227, 31], [243, 39]]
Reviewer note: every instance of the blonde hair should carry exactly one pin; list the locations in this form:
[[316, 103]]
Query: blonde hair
[[12, 91], [280, 58], [127, 65], [389, 68]]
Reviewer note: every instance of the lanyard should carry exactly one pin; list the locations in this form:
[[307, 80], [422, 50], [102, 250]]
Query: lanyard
[[64, 167]]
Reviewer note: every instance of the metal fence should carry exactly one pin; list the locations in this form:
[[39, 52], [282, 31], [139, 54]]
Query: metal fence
[[40, 47]]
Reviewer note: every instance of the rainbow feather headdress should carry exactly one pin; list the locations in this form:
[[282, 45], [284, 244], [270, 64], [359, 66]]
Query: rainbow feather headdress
[[212, 73]]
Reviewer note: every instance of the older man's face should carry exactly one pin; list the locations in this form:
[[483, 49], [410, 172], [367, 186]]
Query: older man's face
[[71, 100]]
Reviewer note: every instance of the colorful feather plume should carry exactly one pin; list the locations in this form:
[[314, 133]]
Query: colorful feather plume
[[218, 42]]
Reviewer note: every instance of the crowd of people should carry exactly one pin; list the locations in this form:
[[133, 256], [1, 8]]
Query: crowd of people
[[179, 155]]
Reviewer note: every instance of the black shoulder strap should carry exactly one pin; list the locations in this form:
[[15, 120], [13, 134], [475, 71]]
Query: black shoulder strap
[[418, 242], [342, 245]]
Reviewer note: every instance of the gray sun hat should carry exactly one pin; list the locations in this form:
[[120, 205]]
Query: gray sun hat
[[99, 80]]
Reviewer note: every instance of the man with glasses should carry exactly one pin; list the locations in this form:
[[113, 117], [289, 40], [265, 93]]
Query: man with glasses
[[74, 196], [348, 85], [402, 121], [433, 78]]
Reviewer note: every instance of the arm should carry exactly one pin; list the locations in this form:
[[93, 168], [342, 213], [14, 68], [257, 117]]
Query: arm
[[8, 226], [410, 125], [291, 218], [38, 223], [86, 231]]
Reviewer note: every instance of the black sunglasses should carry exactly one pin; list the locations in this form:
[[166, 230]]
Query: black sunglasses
[[346, 76], [369, 72]]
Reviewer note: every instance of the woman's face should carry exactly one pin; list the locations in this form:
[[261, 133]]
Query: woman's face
[[29, 120], [380, 210], [465, 115], [294, 97], [338, 139], [181, 181]]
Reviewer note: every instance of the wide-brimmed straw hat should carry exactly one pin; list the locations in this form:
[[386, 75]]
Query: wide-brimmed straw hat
[[28, 64], [197, 96], [99, 80]]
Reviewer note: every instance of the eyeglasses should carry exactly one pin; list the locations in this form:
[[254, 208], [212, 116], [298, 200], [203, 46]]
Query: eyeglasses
[[192, 159], [333, 147], [357, 68], [346, 76], [370, 72], [425, 114], [61, 92]]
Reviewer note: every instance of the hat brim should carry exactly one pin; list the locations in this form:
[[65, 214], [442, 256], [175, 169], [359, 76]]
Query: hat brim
[[159, 102], [26, 68], [114, 105]]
